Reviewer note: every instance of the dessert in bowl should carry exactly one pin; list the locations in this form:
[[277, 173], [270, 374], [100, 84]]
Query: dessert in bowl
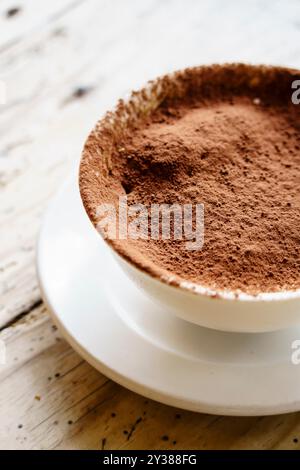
[[223, 139]]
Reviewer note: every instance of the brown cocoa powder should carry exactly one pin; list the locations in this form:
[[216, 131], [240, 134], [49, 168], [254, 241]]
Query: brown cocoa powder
[[236, 149]]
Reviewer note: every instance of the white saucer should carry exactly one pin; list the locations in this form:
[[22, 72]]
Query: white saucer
[[134, 342]]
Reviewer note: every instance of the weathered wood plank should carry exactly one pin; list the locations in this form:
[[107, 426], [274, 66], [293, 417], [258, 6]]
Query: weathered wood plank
[[23, 18]]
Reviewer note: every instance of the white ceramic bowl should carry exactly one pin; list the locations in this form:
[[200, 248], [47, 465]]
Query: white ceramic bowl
[[227, 311], [247, 314]]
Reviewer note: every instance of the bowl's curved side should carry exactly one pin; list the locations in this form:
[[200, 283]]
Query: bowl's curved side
[[241, 316]]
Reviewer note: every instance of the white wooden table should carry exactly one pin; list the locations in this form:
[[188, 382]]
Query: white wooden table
[[63, 63]]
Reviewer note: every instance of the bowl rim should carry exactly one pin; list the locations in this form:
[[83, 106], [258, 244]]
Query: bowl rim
[[150, 269]]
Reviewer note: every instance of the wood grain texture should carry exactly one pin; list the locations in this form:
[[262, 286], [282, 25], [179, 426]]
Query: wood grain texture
[[63, 64]]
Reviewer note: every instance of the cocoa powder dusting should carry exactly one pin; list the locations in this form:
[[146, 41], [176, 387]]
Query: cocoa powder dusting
[[237, 151]]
